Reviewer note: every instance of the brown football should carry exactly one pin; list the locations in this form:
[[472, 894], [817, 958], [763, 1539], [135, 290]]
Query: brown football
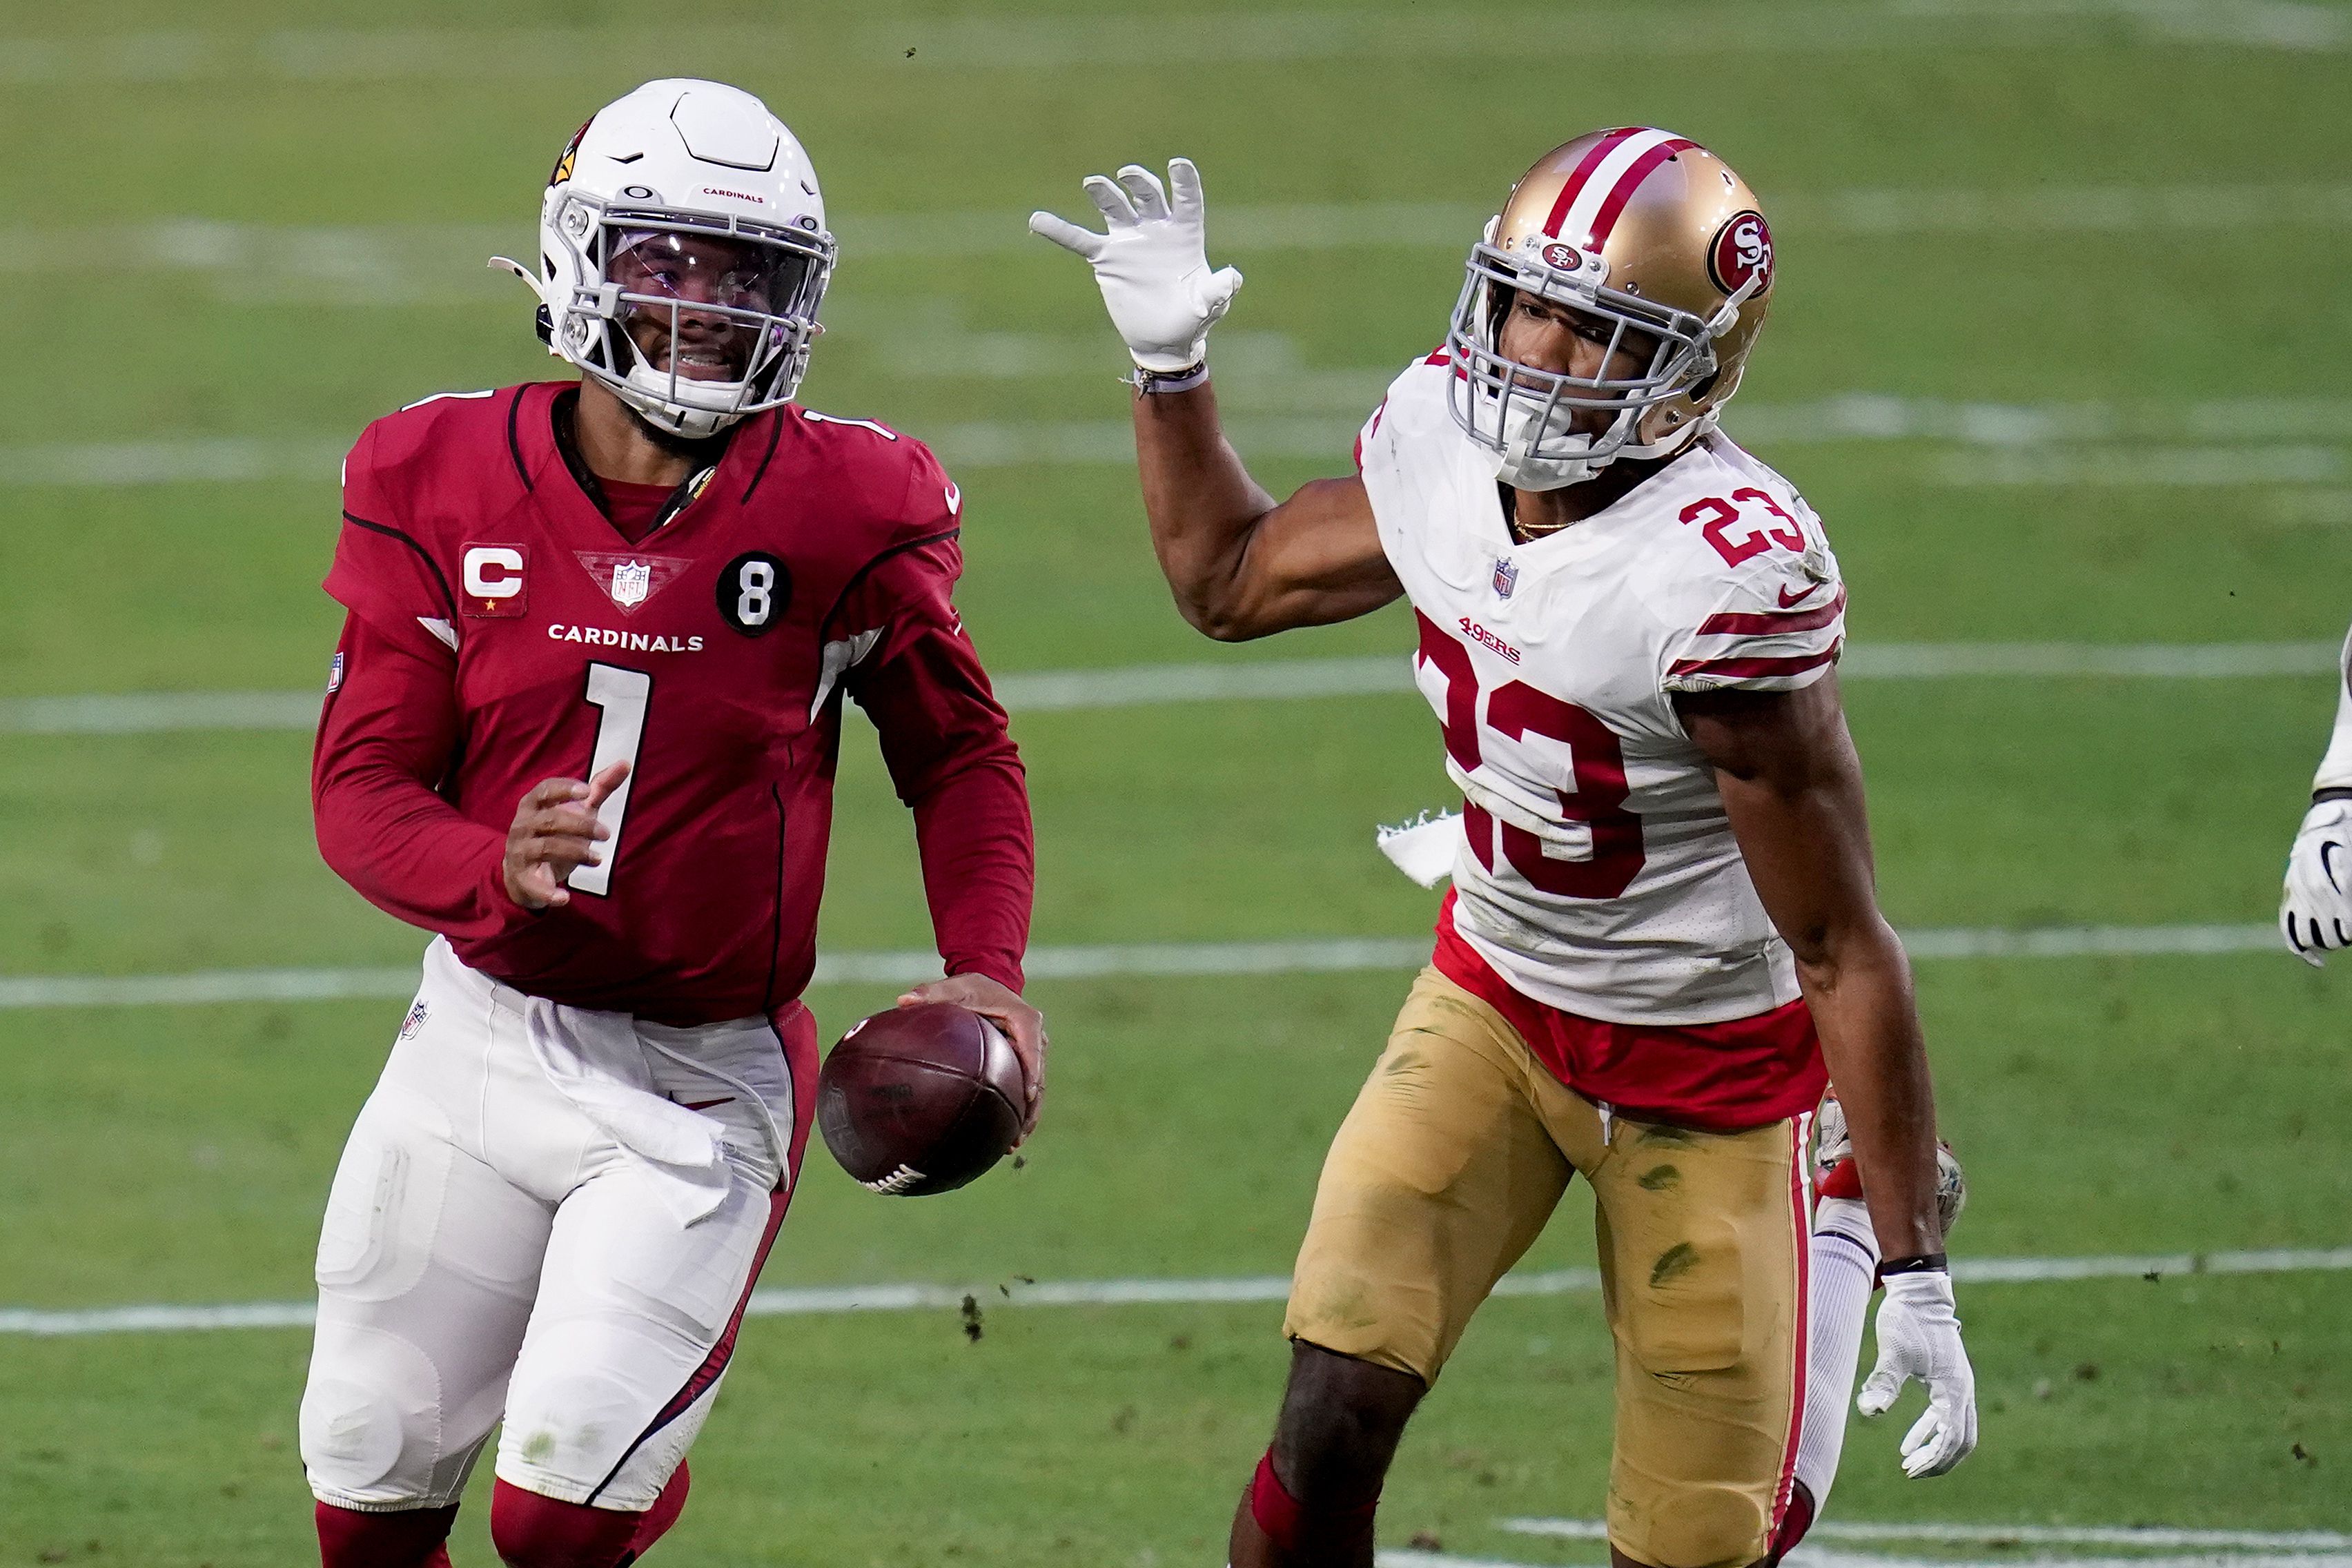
[[920, 1099]]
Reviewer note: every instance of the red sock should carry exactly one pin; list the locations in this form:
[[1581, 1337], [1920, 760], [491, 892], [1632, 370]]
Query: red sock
[[1290, 1524], [1795, 1519], [654, 1522], [534, 1531], [411, 1538]]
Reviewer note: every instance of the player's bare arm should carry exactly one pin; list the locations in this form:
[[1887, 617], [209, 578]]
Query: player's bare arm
[[1792, 788], [1241, 565], [1791, 785]]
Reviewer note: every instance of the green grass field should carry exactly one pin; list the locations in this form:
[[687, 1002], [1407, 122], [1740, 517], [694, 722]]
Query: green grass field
[[261, 224]]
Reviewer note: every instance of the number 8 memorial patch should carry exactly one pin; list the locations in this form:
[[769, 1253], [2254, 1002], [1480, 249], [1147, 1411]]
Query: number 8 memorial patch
[[753, 592]]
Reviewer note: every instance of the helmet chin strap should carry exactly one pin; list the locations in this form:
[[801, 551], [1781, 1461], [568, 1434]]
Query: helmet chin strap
[[1517, 466], [645, 389]]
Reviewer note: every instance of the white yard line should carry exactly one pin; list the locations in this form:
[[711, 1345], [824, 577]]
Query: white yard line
[[1364, 675], [2182, 1548], [1338, 956], [833, 1299], [2153, 1537], [1031, 43], [2194, 457], [158, 712], [2156, 466], [2161, 661], [1811, 1555], [1053, 40], [195, 461], [405, 265]]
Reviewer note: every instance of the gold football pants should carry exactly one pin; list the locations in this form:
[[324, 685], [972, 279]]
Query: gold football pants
[[1451, 1162]]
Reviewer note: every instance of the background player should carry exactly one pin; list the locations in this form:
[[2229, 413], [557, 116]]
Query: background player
[[583, 724], [1627, 629], [2316, 907]]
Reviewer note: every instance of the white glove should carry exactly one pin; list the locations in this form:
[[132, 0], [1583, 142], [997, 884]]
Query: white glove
[[2315, 911], [1920, 1336], [1153, 265]]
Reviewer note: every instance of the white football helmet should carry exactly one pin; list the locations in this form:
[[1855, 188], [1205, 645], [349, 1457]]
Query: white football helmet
[[683, 253]]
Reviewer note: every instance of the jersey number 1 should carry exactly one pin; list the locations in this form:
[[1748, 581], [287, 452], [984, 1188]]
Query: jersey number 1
[[622, 694]]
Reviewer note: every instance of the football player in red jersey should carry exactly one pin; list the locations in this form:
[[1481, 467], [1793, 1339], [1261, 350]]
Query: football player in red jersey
[[583, 725]]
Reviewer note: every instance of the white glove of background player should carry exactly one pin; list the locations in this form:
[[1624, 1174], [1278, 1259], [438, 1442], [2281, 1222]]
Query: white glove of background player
[[1920, 1336], [2315, 913], [1153, 265]]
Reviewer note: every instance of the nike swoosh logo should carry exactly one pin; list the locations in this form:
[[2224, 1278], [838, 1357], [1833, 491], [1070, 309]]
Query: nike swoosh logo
[[1788, 603], [2327, 848], [706, 1104], [955, 497]]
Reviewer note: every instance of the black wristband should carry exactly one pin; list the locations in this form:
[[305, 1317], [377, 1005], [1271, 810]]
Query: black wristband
[[1924, 1263], [2333, 791]]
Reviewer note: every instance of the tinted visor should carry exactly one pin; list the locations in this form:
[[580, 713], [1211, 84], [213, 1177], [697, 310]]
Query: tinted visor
[[722, 309], [732, 272]]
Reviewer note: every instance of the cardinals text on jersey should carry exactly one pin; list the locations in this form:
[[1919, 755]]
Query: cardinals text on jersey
[[816, 558]]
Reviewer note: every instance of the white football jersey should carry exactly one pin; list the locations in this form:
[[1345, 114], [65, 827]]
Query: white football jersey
[[1600, 874]]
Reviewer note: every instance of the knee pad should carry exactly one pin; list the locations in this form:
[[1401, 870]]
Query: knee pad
[[371, 1427], [351, 1436], [534, 1531]]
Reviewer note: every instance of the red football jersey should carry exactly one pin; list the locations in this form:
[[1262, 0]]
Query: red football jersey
[[503, 632]]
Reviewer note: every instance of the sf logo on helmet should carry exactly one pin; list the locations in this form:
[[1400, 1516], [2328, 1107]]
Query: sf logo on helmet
[[1742, 249]]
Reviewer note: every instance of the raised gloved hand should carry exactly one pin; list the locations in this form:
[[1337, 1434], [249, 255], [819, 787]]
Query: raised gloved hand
[[1153, 265], [2315, 909], [1920, 1336]]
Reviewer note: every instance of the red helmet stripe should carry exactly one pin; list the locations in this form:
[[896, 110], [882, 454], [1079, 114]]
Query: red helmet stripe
[[1631, 181], [1584, 172]]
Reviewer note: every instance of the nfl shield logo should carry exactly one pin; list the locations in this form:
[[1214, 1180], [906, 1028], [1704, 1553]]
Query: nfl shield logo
[[1507, 577], [631, 580]]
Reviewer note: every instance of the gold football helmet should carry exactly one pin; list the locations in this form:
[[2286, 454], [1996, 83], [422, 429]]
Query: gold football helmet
[[1656, 237]]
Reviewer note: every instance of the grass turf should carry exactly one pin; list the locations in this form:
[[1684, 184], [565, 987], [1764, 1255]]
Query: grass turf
[[181, 1154], [1122, 1435]]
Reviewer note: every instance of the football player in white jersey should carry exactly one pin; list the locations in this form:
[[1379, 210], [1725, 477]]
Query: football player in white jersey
[[1662, 936], [2315, 908]]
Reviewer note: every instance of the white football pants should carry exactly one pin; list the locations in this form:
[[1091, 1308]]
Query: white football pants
[[500, 1242]]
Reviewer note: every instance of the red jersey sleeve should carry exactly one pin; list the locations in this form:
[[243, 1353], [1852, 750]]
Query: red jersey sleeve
[[944, 738], [386, 738], [382, 571]]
